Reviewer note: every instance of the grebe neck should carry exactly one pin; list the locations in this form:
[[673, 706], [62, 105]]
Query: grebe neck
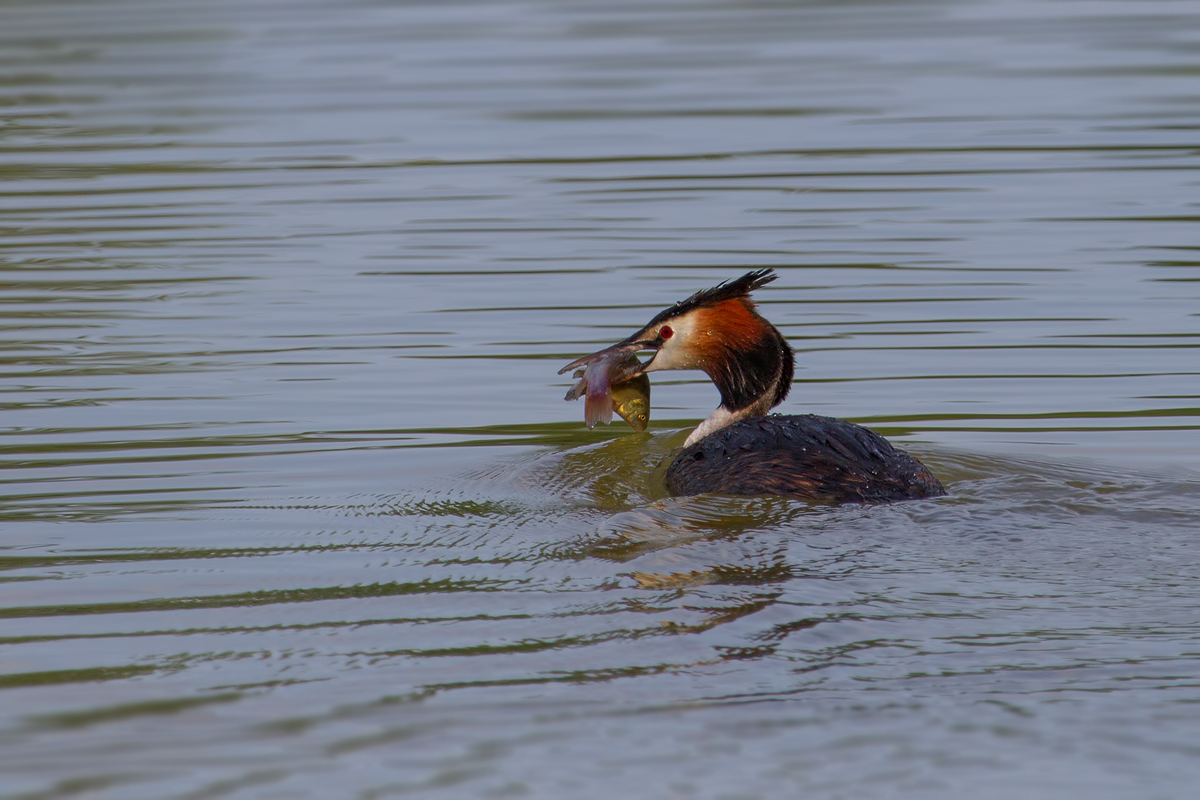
[[723, 417], [751, 381]]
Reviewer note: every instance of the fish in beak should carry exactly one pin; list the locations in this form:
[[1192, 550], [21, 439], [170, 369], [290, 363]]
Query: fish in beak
[[612, 380]]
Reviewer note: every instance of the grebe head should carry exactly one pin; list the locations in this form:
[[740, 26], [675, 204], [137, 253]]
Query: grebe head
[[719, 331]]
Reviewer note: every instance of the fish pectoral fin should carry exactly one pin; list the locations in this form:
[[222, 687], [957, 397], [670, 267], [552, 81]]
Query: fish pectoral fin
[[577, 391]]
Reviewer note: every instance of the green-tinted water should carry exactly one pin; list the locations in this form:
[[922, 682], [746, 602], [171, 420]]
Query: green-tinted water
[[291, 503]]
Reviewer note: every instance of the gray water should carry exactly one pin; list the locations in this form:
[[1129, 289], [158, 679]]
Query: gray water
[[292, 505]]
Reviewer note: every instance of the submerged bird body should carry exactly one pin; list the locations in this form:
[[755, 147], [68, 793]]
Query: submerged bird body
[[738, 449], [817, 459]]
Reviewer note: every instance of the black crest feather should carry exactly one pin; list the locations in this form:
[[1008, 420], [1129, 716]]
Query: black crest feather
[[726, 290]]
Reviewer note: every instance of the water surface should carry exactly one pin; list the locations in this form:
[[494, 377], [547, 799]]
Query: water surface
[[291, 505]]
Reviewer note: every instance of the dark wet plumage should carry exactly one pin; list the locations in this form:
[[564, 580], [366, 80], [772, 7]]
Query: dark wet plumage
[[807, 457]]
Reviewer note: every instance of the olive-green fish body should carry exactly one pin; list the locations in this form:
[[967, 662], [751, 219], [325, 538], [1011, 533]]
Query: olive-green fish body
[[631, 400]]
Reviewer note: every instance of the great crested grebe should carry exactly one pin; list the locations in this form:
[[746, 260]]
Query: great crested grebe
[[738, 449]]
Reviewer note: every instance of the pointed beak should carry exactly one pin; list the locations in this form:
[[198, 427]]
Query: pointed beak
[[617, 351]]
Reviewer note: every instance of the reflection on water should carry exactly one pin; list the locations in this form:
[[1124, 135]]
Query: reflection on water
[[290, 503]]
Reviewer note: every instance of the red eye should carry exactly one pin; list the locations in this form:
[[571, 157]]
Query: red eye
[[665, 332]]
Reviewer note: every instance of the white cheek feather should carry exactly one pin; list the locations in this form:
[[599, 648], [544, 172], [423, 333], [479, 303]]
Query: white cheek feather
[[679, 351]]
